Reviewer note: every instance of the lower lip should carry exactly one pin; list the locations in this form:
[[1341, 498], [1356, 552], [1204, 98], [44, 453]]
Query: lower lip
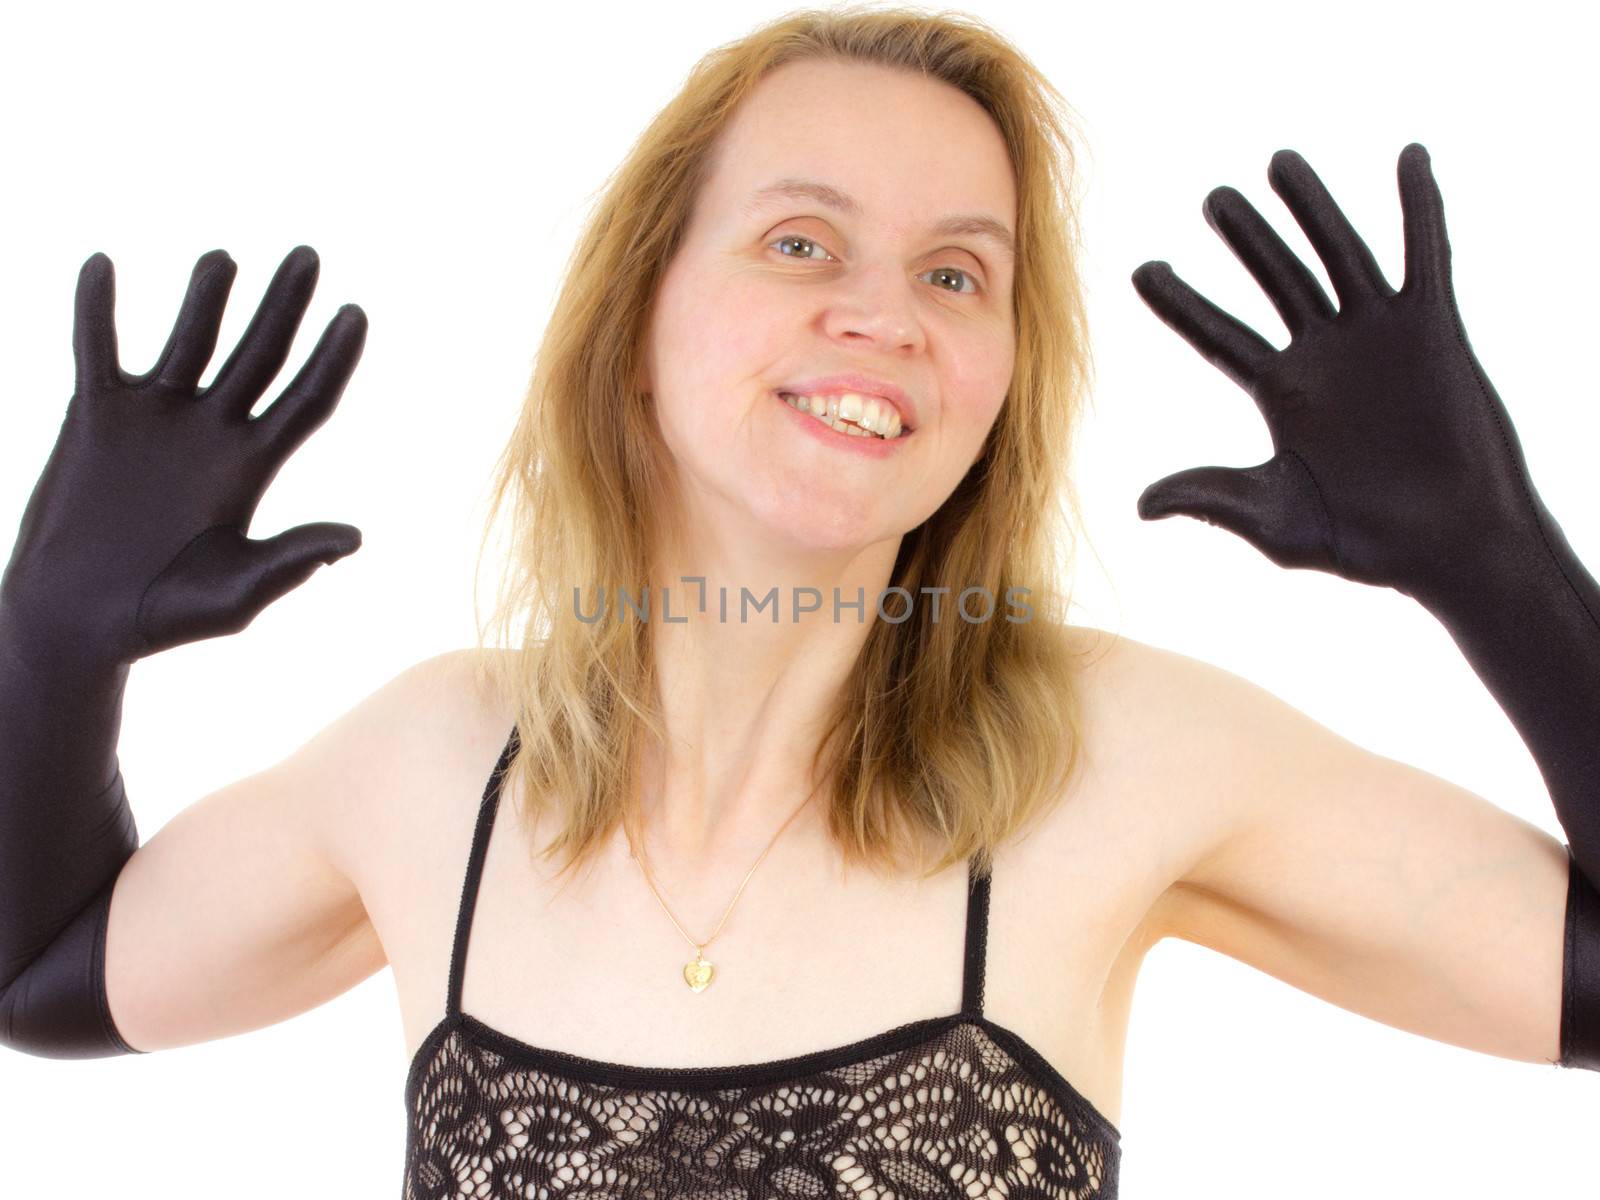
[[873, 447]]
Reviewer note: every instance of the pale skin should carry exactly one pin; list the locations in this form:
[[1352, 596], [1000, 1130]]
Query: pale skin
[[1208, 810], [740, 315]]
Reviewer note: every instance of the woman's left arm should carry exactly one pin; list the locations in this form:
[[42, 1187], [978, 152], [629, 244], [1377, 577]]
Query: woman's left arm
[[1395, 464]]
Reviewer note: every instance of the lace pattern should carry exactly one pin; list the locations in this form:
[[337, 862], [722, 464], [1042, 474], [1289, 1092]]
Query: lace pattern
[[954, 1106], [950, 1116]]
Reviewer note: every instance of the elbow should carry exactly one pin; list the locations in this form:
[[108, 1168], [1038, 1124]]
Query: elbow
[[56, 1006], [1580, 973]]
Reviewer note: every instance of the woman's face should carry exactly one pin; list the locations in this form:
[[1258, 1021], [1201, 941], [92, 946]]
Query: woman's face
[[766, 293]]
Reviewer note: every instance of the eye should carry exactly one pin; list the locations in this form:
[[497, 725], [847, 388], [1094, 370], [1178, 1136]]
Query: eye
[[792, 238], [957, 271]]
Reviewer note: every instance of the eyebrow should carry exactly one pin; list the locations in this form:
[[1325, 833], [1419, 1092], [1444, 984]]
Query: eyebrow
[[975, 224]]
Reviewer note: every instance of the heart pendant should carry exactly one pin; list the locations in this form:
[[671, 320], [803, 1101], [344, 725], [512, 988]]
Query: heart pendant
[[697, 974]]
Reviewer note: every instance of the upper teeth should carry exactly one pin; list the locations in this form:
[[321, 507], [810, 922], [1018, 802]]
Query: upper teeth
[[869, 412]]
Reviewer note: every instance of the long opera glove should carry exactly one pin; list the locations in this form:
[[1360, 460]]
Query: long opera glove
[[135, 541], [1395, 464]]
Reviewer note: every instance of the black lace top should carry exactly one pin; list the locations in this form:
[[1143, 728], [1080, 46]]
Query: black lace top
[[949, 1106]]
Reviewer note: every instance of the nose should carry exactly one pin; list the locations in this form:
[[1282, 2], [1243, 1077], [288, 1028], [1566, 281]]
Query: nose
[[877, 306]]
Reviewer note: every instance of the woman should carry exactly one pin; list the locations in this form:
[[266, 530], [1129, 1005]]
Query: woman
[[1116, 794]]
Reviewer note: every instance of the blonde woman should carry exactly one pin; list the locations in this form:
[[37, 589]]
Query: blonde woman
[[785, 729]]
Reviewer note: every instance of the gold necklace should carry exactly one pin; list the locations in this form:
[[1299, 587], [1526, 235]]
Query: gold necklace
[[699, 972]]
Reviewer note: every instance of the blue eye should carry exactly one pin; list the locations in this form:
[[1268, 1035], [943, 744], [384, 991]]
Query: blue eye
[[795, 237]]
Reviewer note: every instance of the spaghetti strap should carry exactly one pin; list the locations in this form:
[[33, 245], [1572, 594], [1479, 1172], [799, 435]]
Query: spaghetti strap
[[995, 1110], [977, 930], [977, 940], [469, 888]]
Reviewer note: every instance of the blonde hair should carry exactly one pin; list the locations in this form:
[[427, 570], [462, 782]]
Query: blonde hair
[[955, 732]]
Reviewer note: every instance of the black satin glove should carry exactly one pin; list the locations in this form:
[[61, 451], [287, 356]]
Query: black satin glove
[[1395, 464], [134, 541]]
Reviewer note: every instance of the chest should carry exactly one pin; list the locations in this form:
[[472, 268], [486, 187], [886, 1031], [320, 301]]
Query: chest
[[810, 957]]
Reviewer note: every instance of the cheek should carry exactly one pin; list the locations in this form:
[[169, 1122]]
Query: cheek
[[718, 339], [990, 409], [712, 355], [983, 379]]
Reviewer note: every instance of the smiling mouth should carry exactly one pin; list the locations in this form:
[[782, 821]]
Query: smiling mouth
[[839, 424]]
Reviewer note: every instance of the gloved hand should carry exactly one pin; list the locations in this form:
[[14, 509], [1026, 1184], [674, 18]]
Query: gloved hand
[[1396, 464], [134, 541]]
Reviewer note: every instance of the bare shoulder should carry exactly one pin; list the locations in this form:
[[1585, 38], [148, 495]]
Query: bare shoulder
[[287, 887], [397, 761], [1174, 739]]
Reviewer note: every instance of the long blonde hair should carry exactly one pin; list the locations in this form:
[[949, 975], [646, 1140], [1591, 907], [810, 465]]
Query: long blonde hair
[[952, 732]]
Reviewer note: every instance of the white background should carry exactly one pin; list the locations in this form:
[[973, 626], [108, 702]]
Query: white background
[[439, 160]]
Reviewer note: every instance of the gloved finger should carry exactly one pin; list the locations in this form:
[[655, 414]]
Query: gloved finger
[[313, 393], [1273, 505], [94, 325], [279, 564], [1224, 341], [194, 333], [1427, 246], [264, 347], [1288, 282], [222, 580], [1351, 268], [1214, 495]]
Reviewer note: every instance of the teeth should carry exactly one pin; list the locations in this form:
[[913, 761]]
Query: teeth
[[850, 412]]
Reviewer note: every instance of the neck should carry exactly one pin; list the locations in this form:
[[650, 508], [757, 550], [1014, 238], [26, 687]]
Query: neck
[[746, 693]]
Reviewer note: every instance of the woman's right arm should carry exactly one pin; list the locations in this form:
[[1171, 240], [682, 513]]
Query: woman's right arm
[[244, 910], [134, 541]]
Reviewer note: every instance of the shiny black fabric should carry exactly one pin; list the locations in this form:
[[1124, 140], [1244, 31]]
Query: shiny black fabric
[[132, 542], [1395, 464]]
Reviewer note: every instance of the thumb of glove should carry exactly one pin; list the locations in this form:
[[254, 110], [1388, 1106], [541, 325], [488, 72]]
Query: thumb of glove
[[222, 580], [1274, 506]]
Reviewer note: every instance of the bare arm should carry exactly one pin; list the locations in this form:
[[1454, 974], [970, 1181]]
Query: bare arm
[[247, 908], [1357, 878]]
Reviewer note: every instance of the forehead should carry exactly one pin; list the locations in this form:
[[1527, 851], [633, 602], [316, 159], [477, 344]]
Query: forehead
[[904, 145]]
